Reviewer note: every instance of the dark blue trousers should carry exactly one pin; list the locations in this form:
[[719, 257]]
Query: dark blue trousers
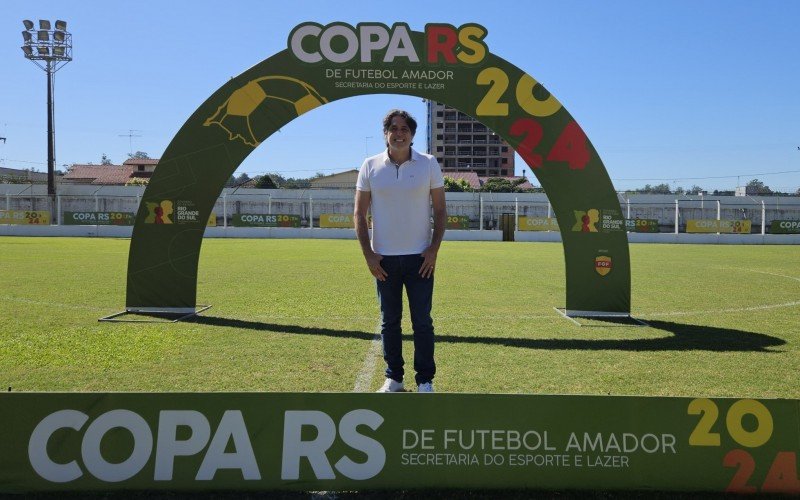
[[403, 271]]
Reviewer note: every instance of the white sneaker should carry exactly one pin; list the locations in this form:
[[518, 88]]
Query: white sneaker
[[426, 387], [391, 385]]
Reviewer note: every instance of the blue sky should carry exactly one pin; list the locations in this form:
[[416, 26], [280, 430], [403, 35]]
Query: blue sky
[[683, 92]]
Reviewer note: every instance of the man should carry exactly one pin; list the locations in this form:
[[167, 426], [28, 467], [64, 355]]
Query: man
[[399, 185]]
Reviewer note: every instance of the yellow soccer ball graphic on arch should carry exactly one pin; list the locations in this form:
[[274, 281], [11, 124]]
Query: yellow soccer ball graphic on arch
[[251, 112]]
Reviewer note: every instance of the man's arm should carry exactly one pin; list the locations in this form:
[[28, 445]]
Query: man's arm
[[439, 223], [363, 200]]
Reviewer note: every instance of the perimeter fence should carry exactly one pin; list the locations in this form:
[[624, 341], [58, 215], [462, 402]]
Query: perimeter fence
[[467, 211]]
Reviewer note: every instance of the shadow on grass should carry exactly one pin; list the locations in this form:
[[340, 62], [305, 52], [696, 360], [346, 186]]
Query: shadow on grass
[[683, 337]]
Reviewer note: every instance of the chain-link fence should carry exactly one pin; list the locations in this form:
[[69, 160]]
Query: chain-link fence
[[475, 211]]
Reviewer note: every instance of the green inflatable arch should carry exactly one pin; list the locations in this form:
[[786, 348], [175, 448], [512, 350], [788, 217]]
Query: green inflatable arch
[[325, 63]]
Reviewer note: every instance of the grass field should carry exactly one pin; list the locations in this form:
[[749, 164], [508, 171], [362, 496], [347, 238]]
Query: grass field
[[301, 315]]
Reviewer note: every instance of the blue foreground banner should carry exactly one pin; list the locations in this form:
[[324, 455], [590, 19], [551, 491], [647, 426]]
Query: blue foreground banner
[[255, 441]]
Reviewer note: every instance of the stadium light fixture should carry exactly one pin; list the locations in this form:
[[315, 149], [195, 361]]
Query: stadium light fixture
[[50, 50]]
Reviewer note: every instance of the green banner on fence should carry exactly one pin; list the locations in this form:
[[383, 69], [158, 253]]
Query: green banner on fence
[[98, 218], [219, 441], [784, 227], [265, 220], [642, 225]]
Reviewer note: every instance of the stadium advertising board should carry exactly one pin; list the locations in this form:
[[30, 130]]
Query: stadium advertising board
[[336, 221], [98, 218], [324, 63], [245, 441], [457, 222], [784, 227], [24, 217], [528, 223], [642, 225], [265, 220], [718, 226]]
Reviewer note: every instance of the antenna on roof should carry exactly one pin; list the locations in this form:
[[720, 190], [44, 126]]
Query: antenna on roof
[[130, 135]]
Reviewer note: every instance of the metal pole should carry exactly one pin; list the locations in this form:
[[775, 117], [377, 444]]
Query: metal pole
[[269, 205], [628, 203], [676, 216], [480, 199], [719, 213], [549, 210], [58, 210], [516, 213], [311, 212], [763, 217], [225, 210], [51, 136]]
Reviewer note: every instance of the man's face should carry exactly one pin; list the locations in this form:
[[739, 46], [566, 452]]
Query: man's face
[[399, 136]]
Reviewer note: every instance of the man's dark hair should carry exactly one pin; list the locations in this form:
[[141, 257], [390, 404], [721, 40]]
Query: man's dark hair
[[410, 121]]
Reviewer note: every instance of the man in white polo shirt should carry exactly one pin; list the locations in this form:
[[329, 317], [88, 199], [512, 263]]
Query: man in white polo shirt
[[400, 185]]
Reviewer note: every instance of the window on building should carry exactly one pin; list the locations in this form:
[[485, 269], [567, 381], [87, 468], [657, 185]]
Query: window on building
[[440, 114], [439, 149], [505, 161], [440, 125], [439, 137], [504, 149]]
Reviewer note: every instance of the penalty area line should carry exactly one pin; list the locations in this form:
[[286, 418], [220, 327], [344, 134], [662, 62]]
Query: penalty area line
[[364, 377]]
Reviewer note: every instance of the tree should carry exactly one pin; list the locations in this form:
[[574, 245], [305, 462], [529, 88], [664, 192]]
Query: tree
[[755, 186], [657, 189], [242, 178], [104, 160], [695, 190], [457, 186], [265, 182], [139, 155], [497, 185]]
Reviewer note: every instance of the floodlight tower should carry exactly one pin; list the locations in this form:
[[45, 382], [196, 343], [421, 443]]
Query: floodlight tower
[[50, 49]]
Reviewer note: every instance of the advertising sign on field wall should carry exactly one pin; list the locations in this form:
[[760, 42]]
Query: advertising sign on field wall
[[251, 441], [98, 218], [718, 226], [785, 227], [24, 217]]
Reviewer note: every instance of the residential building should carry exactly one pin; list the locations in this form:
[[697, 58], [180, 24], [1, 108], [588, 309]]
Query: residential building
[[342, 180], [111, 175], [463, 144]]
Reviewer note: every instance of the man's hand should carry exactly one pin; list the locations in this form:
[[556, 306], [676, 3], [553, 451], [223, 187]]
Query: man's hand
[[428, 265], [374, 264]]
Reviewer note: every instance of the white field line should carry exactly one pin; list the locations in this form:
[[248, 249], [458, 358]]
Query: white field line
[[364, 377], [49, 304], [737, 309]]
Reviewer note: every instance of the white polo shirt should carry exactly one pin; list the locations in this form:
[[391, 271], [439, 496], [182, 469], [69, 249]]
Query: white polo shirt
[[401, 210]]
